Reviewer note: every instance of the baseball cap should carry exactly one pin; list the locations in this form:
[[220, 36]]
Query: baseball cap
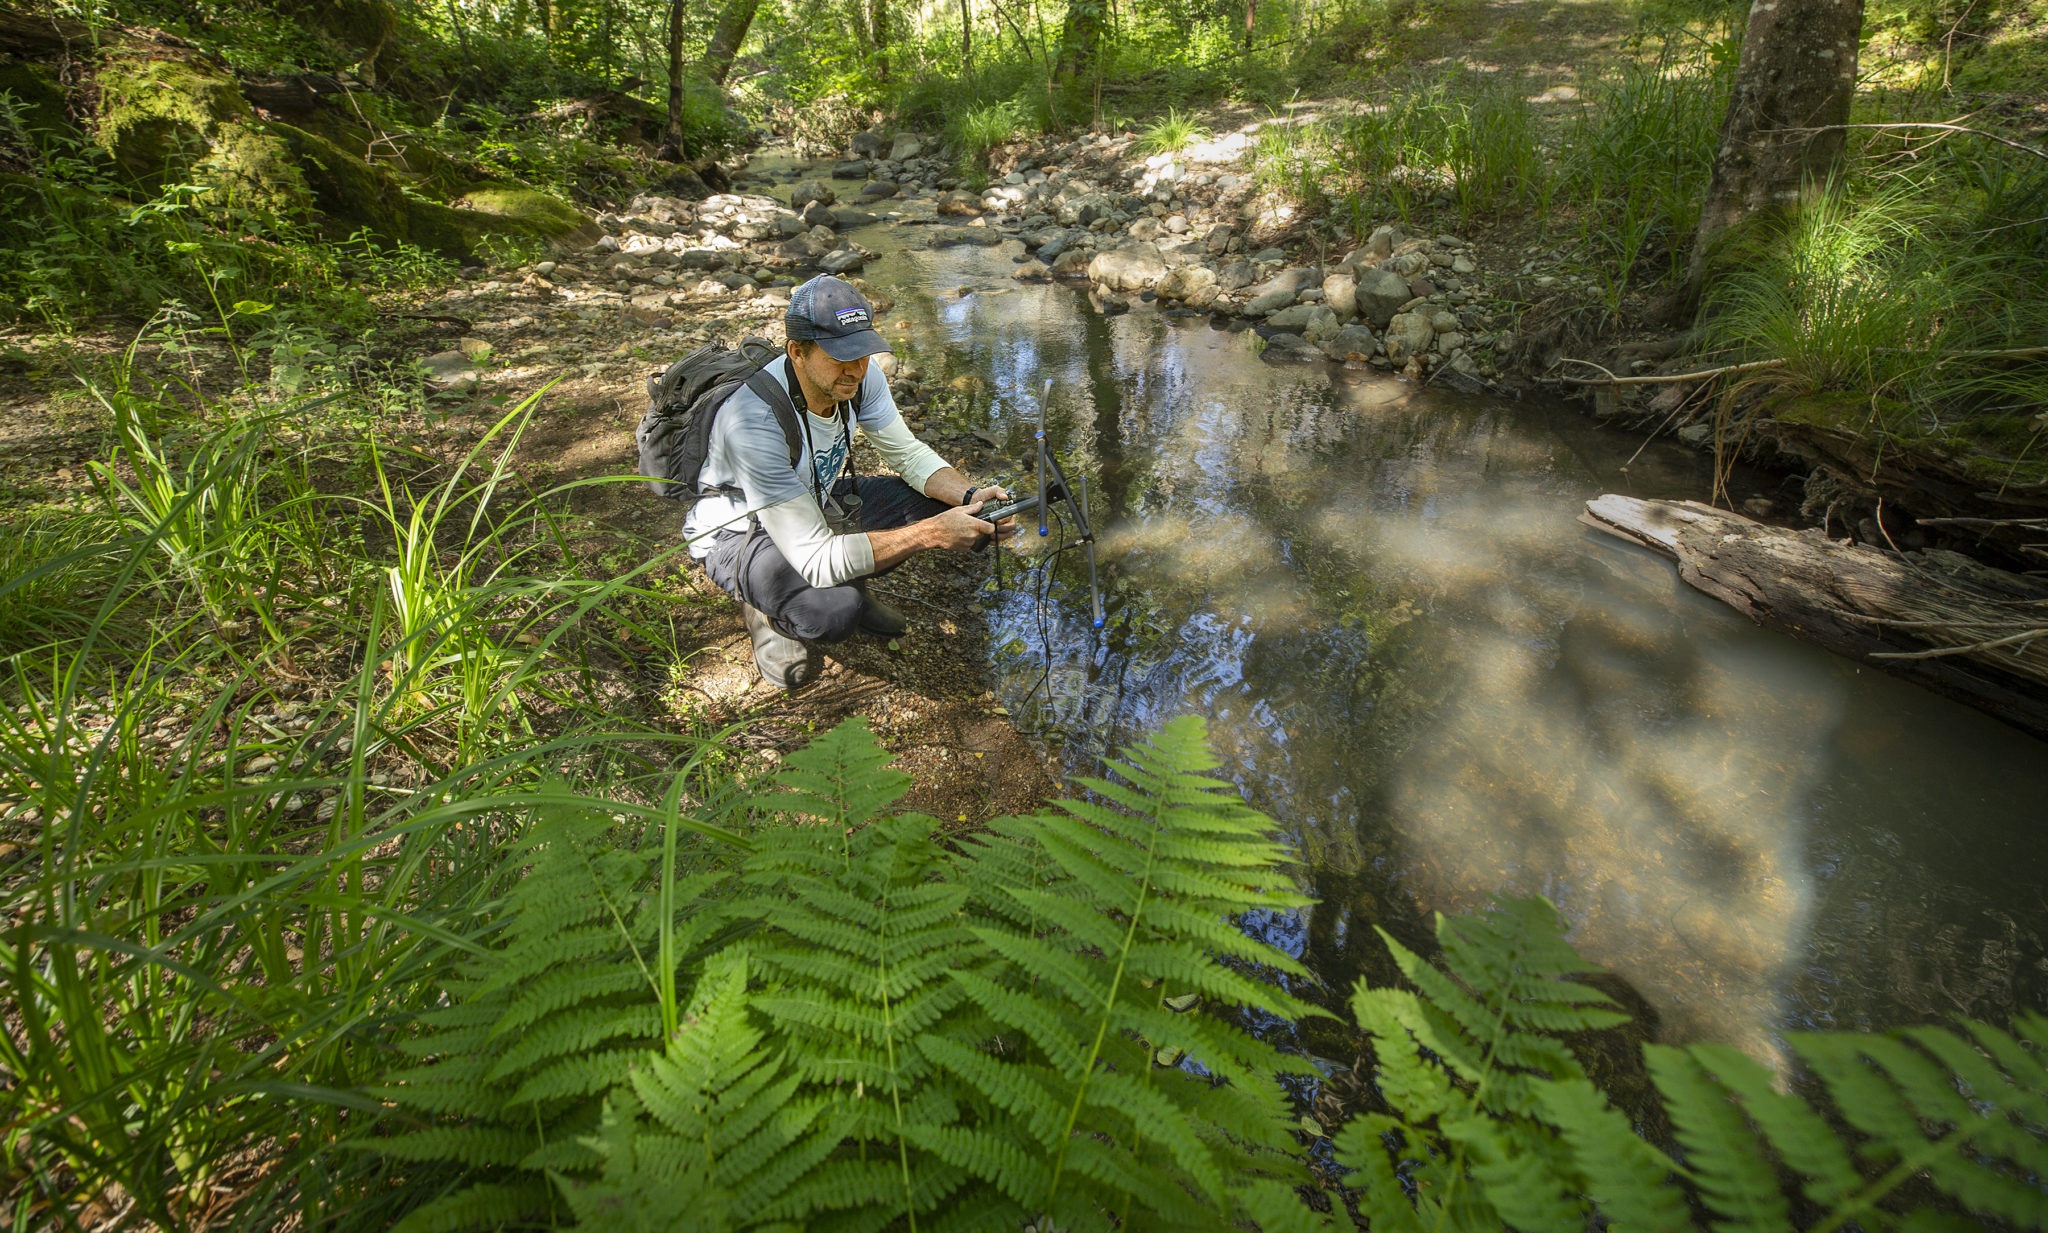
[[829, 311]]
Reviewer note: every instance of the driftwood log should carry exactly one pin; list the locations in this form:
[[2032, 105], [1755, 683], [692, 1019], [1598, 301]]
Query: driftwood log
[[1962, 629]]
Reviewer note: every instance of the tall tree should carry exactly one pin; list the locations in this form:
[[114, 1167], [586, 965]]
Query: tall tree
[[1783, 134], [727, 38], [878, 30], [674, 143], [966, 38]]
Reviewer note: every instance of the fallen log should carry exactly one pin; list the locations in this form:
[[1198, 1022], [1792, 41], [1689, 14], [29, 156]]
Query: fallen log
[[1964, 630]]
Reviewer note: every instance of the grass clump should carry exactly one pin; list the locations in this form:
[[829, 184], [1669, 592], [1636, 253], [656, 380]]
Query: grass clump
[[1171, 133], [981, 129]]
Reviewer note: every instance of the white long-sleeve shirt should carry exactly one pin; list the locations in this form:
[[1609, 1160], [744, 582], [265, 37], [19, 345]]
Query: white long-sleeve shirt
[[748, 451]]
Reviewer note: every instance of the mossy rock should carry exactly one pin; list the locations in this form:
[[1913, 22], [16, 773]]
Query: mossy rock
[[536, 213], [352, 194], [165, 121]]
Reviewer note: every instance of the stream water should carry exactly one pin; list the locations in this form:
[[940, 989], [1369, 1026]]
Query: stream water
[[1444, 688]]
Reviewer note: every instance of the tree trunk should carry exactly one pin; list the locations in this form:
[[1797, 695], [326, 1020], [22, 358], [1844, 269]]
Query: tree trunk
[[878, 29], [1080, 39], [674, 147], [966, 38], [546, 10], [1797, 75], [726, 41], [1251, 21]]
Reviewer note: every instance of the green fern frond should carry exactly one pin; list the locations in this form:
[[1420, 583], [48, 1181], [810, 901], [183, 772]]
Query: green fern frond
[[590, 1075], [1801, 1138], [575, 1032], [475, 1146], [486, 1205], [1627, 1179], [1723, 1155]]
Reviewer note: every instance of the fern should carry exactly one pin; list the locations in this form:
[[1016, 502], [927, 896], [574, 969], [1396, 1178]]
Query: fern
[[1129, 903], [1492, 1122], [884, 1031]]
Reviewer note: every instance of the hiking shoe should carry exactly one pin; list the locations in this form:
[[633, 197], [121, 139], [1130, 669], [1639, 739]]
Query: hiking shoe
[[879, 617], [782, 660]]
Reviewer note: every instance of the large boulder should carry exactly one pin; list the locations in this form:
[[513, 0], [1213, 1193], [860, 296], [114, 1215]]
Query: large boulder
[[1085, 209], [1132, 268], [906, 147], [845, 261], [866, 145], [1381, 293], [853, 169], [167, 121], [804, 192]]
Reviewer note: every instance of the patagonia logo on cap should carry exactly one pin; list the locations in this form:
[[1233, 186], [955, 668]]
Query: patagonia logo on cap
[[852, 318]]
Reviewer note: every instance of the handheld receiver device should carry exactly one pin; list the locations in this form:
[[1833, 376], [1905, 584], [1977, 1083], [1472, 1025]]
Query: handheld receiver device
[[1053, 486]]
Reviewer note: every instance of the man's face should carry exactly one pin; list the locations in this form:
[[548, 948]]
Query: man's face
[[822, 372]]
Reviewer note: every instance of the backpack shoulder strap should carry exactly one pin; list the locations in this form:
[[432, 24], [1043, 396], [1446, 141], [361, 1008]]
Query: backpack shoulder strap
[[771, 391]]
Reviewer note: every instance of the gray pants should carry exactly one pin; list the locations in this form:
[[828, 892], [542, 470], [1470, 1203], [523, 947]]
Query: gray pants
[[748, 566]]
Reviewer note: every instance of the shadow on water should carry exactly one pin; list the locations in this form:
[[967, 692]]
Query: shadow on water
[[1412, 655]]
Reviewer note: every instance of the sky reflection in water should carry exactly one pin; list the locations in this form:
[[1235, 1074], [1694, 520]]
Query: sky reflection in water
[[1413, 656]]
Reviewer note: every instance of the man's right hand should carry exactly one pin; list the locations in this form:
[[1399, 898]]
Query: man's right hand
[[958, 530]]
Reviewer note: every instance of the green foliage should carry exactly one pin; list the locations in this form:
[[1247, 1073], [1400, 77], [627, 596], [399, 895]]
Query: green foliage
[[880, 1029], [981, 129], [1490, 1119], [1171, 133]]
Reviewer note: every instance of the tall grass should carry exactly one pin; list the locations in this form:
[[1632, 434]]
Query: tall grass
[[253, 772], [1171, 133]]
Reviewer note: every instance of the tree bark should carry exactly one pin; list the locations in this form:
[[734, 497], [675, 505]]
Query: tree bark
[[674, 145], [1251, 21], [1080, 38], [966, 38], [726, 40], [878, 29], [1797, 77]]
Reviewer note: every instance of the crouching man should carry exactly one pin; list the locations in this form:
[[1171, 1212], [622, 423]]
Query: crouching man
[[800, 563]]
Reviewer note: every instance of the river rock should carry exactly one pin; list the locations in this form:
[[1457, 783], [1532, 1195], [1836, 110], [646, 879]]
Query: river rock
[[1292, 281], [1383, 241], [1353, 343], [846, 218], [959, 201], [1381, 294], [1340, 292], [1449, 341], [1408, 264], [1085, 209], [804, 192], [449, 370], [906, 147], [1133, 268], [819, 214], [878, 190], [1294, 318], [1032, 270], [1108, 303], [1408, 334], [1443, 321], [866, 145], [1292, 347], [845, 261], [1071, 264], [853, 169], [1269, 302], [1183, 283], [951, 237], [1219, 237], [1235, 275], [1144, 229]]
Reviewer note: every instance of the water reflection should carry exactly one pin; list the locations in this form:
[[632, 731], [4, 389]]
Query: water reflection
[[1413, 656]]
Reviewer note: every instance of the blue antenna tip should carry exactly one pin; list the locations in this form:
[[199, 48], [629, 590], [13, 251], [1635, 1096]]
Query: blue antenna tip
[[1098, 622], [1045, 531]]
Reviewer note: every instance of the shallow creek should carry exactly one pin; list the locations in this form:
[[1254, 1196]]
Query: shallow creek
[[1444, 688]]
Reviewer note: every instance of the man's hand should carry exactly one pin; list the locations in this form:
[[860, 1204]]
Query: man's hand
[[957, 529], [996, 494]]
